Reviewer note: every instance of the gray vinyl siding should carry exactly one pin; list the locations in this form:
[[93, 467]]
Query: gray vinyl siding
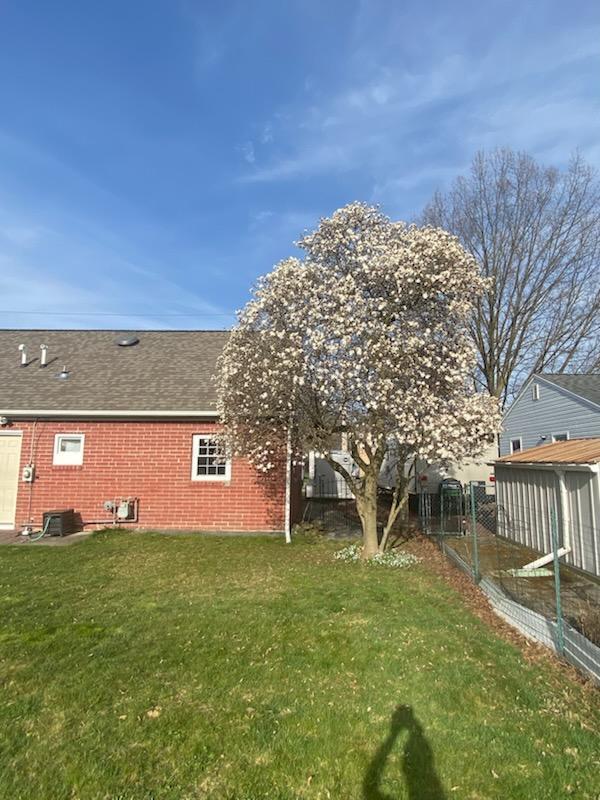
[[556, 411]]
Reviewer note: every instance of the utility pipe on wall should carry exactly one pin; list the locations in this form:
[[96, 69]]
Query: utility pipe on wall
[[288, 487], [594, 508]]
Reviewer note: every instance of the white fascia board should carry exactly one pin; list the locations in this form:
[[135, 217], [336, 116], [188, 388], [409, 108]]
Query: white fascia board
[[546, 466], [88, 412]]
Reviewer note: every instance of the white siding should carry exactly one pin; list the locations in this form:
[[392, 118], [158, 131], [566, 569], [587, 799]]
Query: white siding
[[524, 500], [582, 488], [525, 496], [470, 469], [555, 412]]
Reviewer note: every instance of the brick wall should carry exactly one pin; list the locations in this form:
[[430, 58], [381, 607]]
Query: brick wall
[[151, 461]]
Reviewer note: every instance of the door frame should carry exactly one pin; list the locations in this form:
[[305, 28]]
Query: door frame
[[9, 526]]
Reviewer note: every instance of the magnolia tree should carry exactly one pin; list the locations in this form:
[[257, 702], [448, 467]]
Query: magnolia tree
[[367, 336]]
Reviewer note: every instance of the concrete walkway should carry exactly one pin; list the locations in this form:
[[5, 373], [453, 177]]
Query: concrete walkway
[[15, 538]]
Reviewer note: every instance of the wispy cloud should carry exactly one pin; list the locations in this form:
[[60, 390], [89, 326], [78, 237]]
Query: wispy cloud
[[61, 274], [266, 136], [164, 180], [247, 151], [406, 125]]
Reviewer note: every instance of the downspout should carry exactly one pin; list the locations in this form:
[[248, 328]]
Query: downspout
[[566, 525], [594, 506], [32, 449], [288, 488]]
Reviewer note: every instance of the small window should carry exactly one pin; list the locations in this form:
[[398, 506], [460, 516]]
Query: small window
[[535, 391], [516, 445], [208, 460], [68, 448], [560, 437]]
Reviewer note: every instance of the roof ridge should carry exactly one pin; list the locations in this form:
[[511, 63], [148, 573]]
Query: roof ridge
[[567, 374]]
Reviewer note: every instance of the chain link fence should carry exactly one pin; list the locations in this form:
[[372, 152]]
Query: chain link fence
[[520, 558], [330, 505]]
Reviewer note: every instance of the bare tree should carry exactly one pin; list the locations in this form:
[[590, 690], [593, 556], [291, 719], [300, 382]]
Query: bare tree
[[536, 232]]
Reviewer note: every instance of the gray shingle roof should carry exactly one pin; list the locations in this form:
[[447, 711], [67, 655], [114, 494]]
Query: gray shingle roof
[[165, 371], [586, 385]]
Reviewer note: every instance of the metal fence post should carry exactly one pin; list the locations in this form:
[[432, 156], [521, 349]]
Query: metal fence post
[[442, 529], [475, 543], [560, 634]]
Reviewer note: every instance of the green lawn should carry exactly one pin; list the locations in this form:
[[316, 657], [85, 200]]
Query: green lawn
[[149, 666]]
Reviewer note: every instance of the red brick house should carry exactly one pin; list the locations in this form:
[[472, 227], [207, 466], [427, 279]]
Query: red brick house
[[120, 428]]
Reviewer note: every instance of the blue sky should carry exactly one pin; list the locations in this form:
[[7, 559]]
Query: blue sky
[[156, 157]]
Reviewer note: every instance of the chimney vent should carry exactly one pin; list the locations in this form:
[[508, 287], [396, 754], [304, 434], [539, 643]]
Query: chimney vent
[[44, 355], [23, 355], [63, 375]]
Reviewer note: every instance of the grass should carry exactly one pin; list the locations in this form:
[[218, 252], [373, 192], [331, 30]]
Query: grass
[[149, 666]]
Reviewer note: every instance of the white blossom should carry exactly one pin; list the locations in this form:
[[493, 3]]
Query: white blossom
[[366, 335]]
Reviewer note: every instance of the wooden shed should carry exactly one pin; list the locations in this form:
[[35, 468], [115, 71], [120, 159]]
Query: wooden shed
[[560, 479]]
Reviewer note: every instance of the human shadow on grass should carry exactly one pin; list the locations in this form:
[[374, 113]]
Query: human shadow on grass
[[422, 782]]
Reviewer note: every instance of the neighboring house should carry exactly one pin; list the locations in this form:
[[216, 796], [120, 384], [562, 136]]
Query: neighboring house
[[325, 482], [552, 408], [428, 477], [120, 428]]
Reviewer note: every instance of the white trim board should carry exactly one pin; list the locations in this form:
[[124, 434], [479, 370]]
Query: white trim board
[[87, 412]]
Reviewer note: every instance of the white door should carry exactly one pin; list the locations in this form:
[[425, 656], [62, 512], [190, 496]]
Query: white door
[[10, 455]]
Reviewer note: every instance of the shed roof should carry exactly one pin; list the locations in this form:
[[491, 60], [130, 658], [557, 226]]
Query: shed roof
[[574, 451], [166, 371]]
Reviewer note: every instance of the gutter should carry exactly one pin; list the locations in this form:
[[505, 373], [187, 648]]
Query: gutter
[[595, 505], [288, 488], [572, 466], [86, 412]]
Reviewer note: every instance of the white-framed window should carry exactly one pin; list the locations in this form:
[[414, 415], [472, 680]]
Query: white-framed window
[[208, 461], [68, 448], [535, 391], [516, 445], [560, 437]]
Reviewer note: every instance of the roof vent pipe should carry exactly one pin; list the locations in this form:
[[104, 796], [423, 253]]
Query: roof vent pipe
[[44, 355], [128, 341], [23, 355]]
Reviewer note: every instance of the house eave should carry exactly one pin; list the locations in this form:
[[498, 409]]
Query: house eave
[[87, 413], [550, 466]]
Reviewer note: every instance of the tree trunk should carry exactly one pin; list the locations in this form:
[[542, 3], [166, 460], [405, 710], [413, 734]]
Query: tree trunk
[[366, 504], [398, 510]]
